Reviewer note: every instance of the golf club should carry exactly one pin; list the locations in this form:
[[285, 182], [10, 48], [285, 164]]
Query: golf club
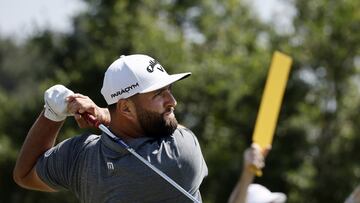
[[104, 129]]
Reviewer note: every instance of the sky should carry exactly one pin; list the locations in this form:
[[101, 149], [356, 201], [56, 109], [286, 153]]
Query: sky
[[19, 18]]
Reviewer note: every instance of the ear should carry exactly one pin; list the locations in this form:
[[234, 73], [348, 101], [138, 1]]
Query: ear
[[126, 107]]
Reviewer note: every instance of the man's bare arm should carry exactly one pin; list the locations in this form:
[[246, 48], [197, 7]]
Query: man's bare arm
[[39, 139], [60, 102], [240, 191], [253, 156]]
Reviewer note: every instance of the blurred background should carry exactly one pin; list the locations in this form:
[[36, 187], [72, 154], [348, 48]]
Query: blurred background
[[227, 45]]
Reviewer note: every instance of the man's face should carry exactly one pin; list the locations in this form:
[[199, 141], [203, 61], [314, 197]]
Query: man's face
[[156, 113]]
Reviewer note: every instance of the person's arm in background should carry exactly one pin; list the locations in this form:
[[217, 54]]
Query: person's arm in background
[[253, 156], [354, 197]]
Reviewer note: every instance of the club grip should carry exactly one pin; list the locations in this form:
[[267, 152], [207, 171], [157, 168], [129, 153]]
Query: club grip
[[91, 119]]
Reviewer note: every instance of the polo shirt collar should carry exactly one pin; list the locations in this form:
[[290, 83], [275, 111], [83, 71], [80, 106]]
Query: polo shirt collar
[[134, 143]]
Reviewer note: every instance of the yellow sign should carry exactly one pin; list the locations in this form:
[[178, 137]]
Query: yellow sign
[[271, 100]]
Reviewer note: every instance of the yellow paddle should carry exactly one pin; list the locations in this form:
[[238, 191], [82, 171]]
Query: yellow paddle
[[271, 102]]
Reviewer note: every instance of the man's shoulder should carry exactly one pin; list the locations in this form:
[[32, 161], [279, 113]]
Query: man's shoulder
[[90, 138], [184, 130], [185, 135], [84, 140]]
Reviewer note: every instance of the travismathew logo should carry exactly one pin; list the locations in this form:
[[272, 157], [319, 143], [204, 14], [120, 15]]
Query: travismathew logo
[[125, 90], [151, 66]]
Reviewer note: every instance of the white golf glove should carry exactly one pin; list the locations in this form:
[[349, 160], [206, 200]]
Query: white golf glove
[[55, 103]]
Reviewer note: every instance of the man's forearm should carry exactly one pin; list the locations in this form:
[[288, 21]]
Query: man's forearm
[[40, 138]]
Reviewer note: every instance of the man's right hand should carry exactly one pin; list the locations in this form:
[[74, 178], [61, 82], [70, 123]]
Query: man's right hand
[[79, 104]]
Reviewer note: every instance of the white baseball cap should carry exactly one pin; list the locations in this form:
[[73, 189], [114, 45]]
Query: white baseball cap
[[259, 194], [134, 74]]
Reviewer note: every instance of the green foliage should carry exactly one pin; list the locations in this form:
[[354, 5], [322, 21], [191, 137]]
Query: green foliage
[[228, 50], [328, 53]]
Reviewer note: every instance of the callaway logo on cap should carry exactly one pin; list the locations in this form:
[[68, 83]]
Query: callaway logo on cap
[[134, 74]]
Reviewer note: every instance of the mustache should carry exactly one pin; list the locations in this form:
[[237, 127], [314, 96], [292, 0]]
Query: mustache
[[169, 110]]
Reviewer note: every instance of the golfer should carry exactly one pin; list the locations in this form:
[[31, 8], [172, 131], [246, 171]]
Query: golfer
[[96, 168]]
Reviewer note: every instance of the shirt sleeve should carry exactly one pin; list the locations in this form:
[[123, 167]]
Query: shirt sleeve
[[193, 165], [55, 165]]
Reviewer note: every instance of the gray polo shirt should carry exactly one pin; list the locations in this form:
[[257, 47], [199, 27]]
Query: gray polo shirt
[[97, 169]]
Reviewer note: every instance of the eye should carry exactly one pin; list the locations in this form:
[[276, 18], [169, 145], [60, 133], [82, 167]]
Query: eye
[[157, 93], [161, 91]]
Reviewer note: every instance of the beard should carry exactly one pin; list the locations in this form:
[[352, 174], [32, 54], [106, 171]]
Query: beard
[[155, 124]]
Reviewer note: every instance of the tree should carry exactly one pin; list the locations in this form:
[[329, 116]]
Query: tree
[[228, 50], [326, 48]]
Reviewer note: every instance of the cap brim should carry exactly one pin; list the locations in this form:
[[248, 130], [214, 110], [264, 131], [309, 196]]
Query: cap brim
[[166, 81]]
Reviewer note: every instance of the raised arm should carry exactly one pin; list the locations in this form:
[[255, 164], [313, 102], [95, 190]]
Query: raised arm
[[60, 102], [253, 156], [354, 197], [40, 138]]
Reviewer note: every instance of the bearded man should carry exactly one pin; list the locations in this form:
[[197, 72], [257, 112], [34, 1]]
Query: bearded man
[[96, 168]]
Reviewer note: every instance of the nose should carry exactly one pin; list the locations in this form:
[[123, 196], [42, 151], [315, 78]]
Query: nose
[[170, 99]]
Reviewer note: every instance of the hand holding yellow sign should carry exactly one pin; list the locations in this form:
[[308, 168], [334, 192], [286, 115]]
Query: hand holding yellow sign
[[271, 101]]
